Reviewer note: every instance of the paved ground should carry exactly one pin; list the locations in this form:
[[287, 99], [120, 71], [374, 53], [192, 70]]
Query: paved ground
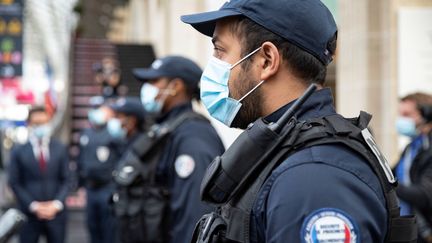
[[77, 232], [76, 228]]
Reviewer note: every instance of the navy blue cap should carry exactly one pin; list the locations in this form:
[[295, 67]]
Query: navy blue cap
[[307, 24], [131, 106], [171, 67]]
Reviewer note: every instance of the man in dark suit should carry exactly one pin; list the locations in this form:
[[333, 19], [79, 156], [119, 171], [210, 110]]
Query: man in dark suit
[[38, 172]]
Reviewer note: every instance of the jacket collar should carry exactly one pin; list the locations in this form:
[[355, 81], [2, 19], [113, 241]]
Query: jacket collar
[[319, 104], [175, 112]]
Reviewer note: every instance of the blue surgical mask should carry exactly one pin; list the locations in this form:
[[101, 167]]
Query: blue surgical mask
[[406, 126], [97, 117], [148, 98], [215, 91], [115, 128], [42, 131]]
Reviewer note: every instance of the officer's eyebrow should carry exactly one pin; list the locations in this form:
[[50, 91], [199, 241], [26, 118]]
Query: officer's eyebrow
[[215, 40]]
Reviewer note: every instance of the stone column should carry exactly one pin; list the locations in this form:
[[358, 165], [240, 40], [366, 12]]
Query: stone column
[[364, 80], [368, 64]]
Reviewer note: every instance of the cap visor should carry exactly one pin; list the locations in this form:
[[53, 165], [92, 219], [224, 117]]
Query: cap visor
[[206, 22], [115, 107], [145, 74]]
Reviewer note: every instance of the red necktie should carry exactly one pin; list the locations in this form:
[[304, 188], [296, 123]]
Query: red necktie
[[42, 162]]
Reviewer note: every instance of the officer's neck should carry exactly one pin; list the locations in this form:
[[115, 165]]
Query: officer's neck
[[99, 127], [176, 100], [280, 91], [179, 108], [132, 132]]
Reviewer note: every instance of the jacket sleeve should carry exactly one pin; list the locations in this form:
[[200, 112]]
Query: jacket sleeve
[[418, 193], [186, 206], [414, 195], [64, 175], [305, 192], [79, 173], [16, 179]]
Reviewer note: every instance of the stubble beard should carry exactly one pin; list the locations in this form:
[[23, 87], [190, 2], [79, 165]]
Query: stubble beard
[[251, 108]]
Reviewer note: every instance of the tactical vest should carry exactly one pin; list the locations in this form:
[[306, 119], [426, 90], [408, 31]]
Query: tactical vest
[[141, 204], [236, 197]]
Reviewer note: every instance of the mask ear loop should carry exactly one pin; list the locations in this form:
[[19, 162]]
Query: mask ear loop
[[165, 92], [244, 58], [252, 90], [241, 60]]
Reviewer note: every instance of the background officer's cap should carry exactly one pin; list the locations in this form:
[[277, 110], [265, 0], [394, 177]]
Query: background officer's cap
[[130, 106], [307, 24], [96, 101], [171, 67]]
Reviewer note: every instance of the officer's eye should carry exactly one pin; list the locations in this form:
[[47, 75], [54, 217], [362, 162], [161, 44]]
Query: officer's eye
[[217, 52]]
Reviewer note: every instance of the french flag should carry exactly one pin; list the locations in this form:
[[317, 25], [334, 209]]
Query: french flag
[[50, 95]]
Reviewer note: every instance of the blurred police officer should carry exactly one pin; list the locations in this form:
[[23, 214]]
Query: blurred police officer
[[266, 53], [128, 121], [38, 175], [127, 125], [99, 154], [169, 86], [108, 75], [414, 169]]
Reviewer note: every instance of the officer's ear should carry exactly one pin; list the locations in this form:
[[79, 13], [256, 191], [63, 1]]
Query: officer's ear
[[135, 123], [269, 60], [176, 86]]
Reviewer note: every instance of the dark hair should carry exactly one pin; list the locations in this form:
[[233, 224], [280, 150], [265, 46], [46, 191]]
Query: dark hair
[[35, 109], [302, 64], [423, 103], [426, 112], [191, 91], [419, 98]]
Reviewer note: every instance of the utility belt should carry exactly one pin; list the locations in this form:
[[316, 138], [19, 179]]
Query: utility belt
[[97, 184], [234, 186]]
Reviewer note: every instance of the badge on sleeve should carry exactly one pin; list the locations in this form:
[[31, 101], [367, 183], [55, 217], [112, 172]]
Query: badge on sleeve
[[84, 140], [102, 153], [329, 225], [184, 165]]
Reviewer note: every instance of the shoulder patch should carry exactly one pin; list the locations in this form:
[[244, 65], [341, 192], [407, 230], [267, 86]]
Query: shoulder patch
[[329, 225], [184, 165], [102, 153], [84, 140]]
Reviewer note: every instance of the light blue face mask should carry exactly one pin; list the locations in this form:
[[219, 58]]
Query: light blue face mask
[[115, 128], [42, 131], [96, 117], [406, 126], [148, 98], [215, 91]]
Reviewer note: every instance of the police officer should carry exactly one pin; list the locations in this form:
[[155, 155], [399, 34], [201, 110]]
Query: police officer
[[169, 86], [108, 75], [128, 121], [414, 168], [99, 154], [266, 53]]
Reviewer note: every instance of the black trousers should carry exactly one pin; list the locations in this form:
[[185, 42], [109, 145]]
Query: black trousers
[[100, 218], [53, 230]]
